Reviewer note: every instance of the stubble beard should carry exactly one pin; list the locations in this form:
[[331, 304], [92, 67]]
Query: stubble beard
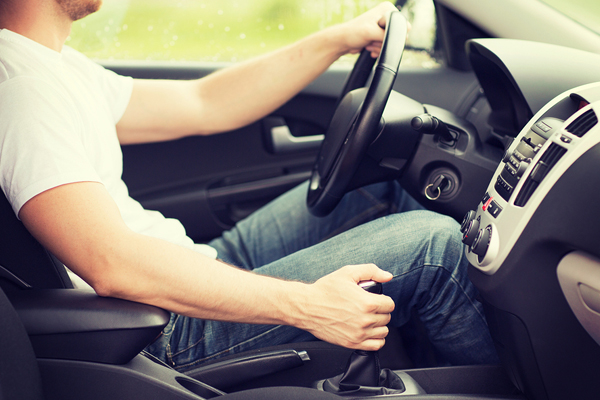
[[77, 9]]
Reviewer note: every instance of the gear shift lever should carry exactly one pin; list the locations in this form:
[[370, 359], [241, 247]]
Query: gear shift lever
[[364, 376]]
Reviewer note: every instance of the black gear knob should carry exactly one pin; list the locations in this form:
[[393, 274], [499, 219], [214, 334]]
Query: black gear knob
[[371, 286]]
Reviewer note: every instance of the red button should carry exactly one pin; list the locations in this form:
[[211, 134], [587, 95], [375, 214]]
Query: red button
[[487, 204]]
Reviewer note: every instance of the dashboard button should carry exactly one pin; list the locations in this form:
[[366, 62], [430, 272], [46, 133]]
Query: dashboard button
[[519, 156], [543, 126], [487, 203], [522, 168], [485, 198], [565, 139], [539, 172], [494, 209]]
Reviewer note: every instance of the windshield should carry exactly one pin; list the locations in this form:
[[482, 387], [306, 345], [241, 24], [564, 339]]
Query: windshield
[[586, 12]]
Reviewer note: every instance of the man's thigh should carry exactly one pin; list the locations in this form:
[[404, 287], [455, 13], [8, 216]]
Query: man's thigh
[[424, 253], [285, 225], [399, 243]]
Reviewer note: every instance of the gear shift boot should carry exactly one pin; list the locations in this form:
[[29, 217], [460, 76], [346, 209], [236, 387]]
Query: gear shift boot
[[364, 377]]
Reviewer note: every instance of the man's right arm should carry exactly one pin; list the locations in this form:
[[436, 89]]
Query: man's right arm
[[82, 226], [245, 92]]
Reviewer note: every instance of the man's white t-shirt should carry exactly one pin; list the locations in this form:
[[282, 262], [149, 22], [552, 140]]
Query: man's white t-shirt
[[58, 113]]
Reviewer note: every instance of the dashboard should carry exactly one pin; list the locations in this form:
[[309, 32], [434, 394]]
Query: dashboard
[[533, 243], [547, 147]]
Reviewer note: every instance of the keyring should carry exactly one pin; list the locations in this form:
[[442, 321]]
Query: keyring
[[439, 193]]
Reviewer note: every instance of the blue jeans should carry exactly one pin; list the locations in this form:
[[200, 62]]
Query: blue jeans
[[378, 224]]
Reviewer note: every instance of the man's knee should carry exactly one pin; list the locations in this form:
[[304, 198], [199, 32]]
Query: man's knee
[[446, 241], [441, 236], [444, 228]]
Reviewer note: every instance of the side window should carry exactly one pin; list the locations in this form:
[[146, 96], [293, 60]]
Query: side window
[[586, 12], [228, 30], [421, 43]]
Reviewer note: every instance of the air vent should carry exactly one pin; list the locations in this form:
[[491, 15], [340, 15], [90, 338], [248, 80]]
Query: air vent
[[583, 123], [539, 172]]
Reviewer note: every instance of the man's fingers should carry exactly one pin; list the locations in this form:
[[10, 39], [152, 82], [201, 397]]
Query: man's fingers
[[374, 48], [380, 332], [350, 316], [372, 337], [370, 272], [385, 308], [372, 344], [388, 307], [383, 305], [367, 272]]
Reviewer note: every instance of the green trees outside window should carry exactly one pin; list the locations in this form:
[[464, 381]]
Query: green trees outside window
[[222, 30]]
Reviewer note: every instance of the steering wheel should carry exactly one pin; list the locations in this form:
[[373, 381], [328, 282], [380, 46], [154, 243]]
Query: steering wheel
[[357, 119]]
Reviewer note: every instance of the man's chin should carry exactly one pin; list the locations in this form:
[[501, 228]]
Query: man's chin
[[77, 9]]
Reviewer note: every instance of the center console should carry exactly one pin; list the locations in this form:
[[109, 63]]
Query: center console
[[534, 249]]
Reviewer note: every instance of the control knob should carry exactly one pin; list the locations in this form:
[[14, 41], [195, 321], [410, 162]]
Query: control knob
[[470, 231], [482, 242], [469, 216]]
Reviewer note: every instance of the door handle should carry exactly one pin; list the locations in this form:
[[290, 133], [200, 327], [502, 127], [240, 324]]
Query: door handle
[[283, 141]]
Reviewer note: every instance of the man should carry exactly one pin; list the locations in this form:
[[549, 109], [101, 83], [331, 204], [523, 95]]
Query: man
[[62, 119]]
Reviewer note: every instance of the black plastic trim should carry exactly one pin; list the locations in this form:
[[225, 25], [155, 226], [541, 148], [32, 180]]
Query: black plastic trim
[[237, 371], [583, 123], [537, 333], [24, 257], [548, 160], [80, 325]]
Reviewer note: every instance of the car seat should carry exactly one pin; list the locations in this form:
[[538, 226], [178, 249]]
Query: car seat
[[24, 263]]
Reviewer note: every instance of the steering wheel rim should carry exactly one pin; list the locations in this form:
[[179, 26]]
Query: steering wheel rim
[[357, 120]]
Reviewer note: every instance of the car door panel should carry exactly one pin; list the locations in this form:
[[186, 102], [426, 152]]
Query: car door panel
[[208, 182], [211, 182]]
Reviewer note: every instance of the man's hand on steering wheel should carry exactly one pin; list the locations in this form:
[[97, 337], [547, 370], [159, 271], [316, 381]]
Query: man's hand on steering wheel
[[357, 119], [365, 31]]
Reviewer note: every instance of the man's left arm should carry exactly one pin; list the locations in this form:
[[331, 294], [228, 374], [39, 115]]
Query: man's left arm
[[239, 95]]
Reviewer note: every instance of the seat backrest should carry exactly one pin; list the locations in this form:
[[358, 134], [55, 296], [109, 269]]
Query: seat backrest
[[24, 262], [19, 372]]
